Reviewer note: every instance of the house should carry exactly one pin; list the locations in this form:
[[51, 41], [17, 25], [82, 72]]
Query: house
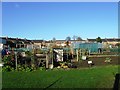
[[15, 42], [60, 43], [38, 43], [2, 42], [63, 42], [57, 43], [48, 44]]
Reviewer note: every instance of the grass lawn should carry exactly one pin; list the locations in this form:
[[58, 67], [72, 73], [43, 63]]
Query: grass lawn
[[95, 77]]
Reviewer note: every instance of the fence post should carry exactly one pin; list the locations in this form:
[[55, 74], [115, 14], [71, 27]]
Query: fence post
[[47, 60], [52, 56], [77, 56], [16, 59]]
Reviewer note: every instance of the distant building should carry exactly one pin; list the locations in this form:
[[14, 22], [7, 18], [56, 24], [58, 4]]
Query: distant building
[[63, 42], [2, 42], [37, 43], [15, 42], [30, 44]]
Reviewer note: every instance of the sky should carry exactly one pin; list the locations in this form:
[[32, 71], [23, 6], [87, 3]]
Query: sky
[[45, 20]]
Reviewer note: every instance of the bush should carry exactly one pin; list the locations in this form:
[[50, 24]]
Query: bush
[[56, 68], [33, 67], [28, 69], [41, 68], [108, 60], [25, 68], [28, 53], [7, 68], [20, 68], [7, 59]]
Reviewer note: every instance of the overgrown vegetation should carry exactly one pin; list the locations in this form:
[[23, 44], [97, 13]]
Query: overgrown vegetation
[[108, 60]]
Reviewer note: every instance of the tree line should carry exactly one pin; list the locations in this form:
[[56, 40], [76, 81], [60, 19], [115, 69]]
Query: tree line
[[68, 38]]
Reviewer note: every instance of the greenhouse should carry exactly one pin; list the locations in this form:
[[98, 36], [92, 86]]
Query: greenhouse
[[92, 47]]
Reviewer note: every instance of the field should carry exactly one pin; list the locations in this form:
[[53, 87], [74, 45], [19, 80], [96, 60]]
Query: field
[[95, 77]]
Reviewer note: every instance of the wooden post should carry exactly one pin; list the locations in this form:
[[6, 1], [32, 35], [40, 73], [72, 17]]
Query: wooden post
[[80, 52], [33, 56], [16, 59], [67, 53], [77, 56], [71, 51], [52, 56], [89, 52], [16, 45], [47, 57]]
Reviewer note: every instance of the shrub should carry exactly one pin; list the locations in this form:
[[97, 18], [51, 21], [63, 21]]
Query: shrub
[[24, 68], [20, 68], [6, 59], [7, 68], [28, 53], [33, 67], [41, 68], [28, 69], [108, 60]]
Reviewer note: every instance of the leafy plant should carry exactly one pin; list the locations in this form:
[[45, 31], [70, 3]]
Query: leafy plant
[[42, 68], [20, 68], [6, 59], [28, 69], [28, 53], [24, 68], [33, 67], [108, 60], [7, 68]]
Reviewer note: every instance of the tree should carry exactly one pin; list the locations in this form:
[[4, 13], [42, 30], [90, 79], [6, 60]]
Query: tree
[[54, 42], [79, 38], [74, 37], [54, 39], [68, 38], [99, 40]]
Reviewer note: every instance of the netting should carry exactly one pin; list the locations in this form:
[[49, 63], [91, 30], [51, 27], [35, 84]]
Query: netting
[[115, 50]]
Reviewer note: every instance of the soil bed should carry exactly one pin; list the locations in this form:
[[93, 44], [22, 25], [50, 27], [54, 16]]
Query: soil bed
[[98, 61]]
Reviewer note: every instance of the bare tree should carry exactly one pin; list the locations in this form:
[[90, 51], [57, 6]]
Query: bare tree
[[54, 39], [74, 37], [79, 38]]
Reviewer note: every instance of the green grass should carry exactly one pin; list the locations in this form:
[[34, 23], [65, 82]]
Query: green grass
[[96, 77]]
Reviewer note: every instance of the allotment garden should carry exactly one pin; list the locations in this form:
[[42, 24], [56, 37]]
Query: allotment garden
[[59, 68]]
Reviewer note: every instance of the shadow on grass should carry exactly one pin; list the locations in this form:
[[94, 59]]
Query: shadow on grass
[[52, 83], [117, 82]]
